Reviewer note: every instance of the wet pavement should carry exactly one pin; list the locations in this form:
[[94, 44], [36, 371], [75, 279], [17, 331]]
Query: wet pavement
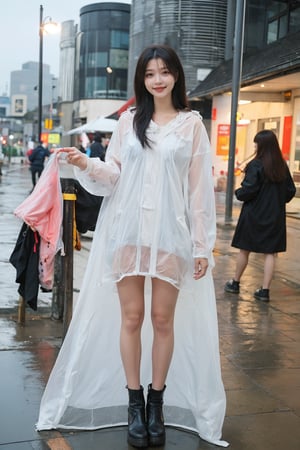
[[259, 345]]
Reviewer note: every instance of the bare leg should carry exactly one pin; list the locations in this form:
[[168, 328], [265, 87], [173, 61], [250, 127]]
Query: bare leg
[[241, 264], [269, 266], [164, 297], [131, 294]]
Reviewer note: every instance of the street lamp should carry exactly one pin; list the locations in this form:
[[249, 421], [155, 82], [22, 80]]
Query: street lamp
[[11, 139], [109, 72], [46, 26]]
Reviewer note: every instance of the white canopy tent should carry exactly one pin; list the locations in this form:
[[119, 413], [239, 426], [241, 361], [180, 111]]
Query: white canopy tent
[[99, 124]]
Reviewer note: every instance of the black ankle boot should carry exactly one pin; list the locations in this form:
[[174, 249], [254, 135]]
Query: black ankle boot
[[137, 430], [155, 417]]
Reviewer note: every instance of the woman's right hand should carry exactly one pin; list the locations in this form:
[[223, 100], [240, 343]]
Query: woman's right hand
[[75, 157]]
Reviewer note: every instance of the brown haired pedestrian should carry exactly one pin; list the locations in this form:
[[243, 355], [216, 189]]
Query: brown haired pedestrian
[[261, 228]]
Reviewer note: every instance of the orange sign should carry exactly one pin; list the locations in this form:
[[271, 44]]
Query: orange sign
[[286, 140], [50, 138], [223, 139]]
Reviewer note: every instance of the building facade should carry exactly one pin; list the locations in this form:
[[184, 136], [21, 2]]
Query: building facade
[[4, 106], [24, 82], [270, 84], [101, 60], [196, 29], [67, 61], [66, 74]]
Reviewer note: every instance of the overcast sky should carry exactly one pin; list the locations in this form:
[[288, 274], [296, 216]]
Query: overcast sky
[[19, 33]]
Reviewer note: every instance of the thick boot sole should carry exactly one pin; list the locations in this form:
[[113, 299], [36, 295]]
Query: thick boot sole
[[157, 441], [137, 442], [231, 291]]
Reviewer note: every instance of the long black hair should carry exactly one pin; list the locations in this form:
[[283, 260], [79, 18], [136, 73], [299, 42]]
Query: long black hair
[[269, 153], [144, 100]]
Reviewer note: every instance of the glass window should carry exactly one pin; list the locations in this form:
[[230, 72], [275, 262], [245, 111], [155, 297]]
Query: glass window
[[120, 19], [117, 84], [294, 20], [91, 60], [283, 26], [272, 31], [276, 8], [118, 59], [90, 21], [99, 59], [119, 39], [94, 84], [106, 86], [96, 40], [116, 15]]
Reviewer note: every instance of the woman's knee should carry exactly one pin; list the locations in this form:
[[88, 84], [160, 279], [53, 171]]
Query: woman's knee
[[131, 294], [162, 323], [133, 320], [164, 298]]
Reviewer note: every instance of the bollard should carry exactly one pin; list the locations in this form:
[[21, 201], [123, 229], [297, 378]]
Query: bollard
[[21, 311], [62, 299], [67, 262], [57, 291]]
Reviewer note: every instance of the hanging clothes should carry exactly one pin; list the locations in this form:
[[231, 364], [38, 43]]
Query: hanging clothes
[[87, 207], [42, 210], [25, 259]]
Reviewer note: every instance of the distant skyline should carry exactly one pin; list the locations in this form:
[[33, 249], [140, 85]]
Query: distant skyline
[[19, 33]]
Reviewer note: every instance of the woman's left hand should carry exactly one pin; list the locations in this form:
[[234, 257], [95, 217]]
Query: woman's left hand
[[200, 267], [75, 157]]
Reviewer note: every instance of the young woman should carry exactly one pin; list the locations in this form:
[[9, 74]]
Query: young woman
[[152, 255], [261, 228]]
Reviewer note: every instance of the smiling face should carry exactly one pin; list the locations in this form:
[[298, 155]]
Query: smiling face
[[159, 81]]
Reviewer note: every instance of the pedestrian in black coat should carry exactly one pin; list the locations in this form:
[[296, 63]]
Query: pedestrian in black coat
[[37, 159], [97, 149], [261, 228]]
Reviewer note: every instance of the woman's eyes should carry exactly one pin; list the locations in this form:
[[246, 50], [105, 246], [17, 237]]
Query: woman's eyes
[[163, 72]]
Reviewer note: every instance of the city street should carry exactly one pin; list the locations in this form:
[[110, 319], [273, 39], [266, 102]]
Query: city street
[[259, 344]]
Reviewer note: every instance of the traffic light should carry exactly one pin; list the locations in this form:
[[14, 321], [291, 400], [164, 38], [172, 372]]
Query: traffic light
[[48, 124]]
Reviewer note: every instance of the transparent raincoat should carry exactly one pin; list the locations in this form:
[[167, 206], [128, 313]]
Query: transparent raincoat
[[157, 215]]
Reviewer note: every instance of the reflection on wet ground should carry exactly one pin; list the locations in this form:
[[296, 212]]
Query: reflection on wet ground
[[259, 344]]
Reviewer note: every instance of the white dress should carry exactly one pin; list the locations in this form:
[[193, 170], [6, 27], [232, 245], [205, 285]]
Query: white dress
[[157, 215]]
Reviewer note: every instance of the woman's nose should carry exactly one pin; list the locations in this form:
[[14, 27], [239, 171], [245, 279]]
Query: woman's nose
[[157, 78]]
